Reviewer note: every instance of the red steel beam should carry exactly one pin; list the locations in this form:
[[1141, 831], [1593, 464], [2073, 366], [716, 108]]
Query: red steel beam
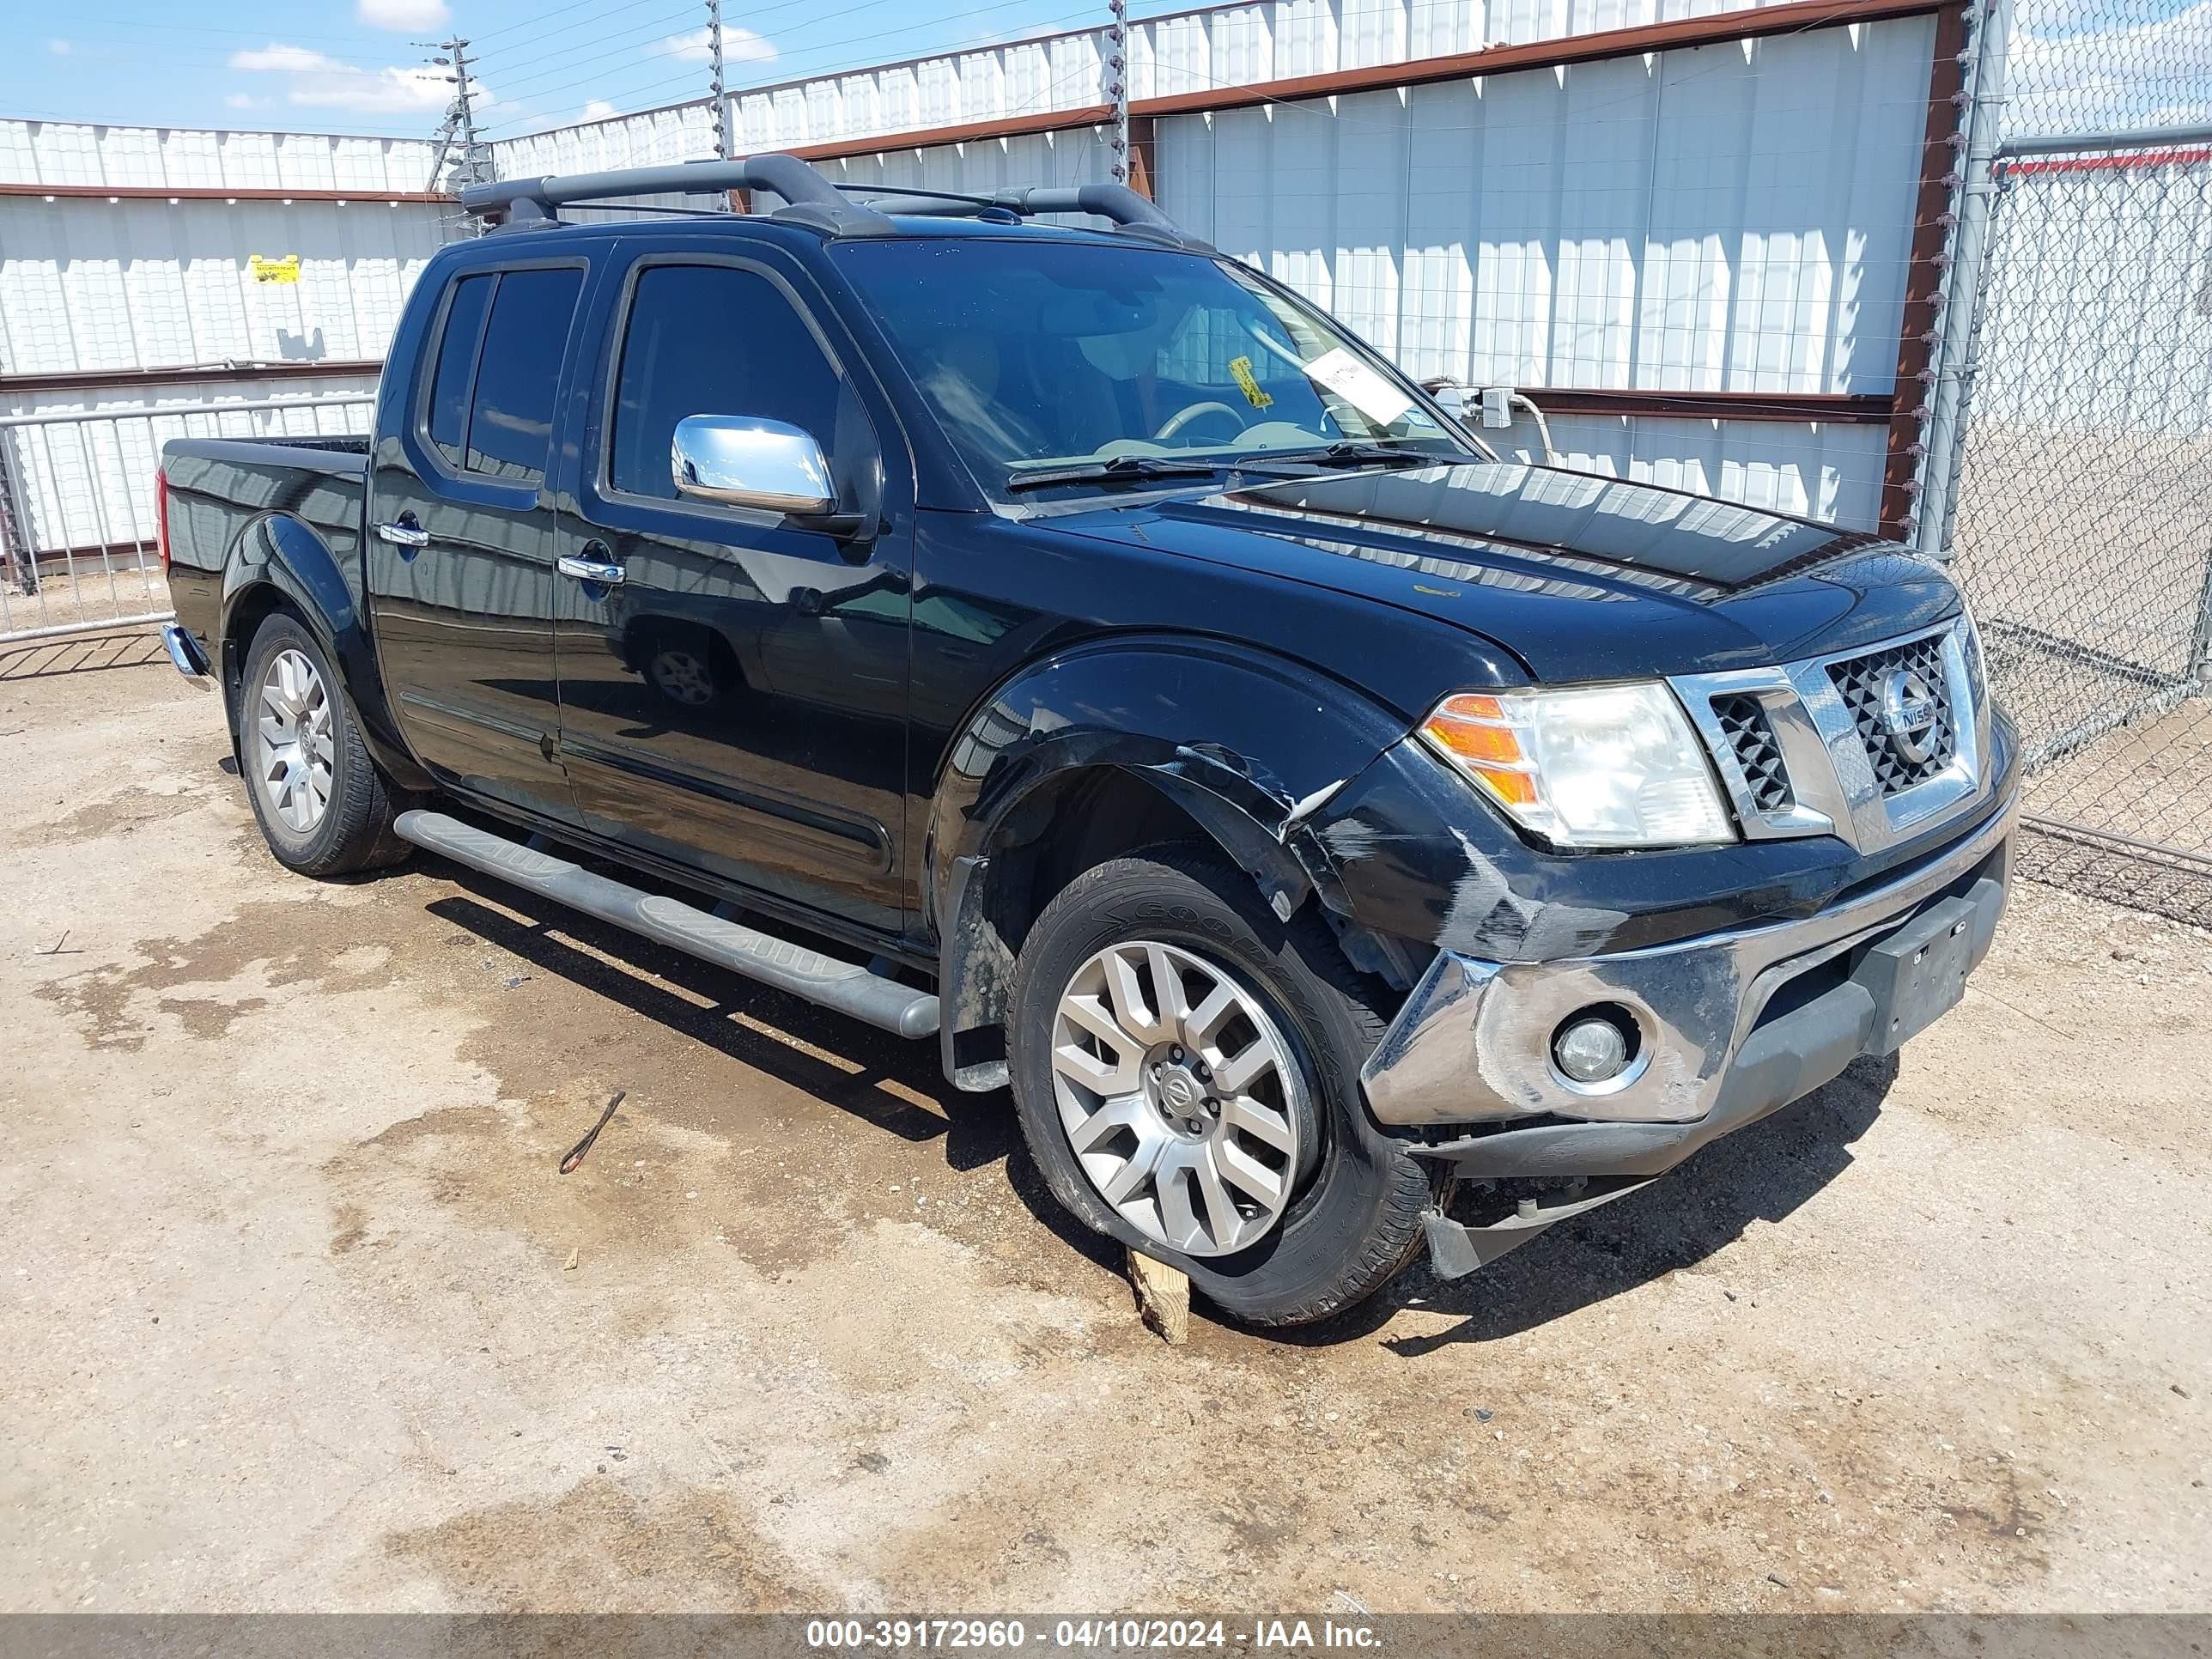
[[211, 193], [1940, 156], [1794, 407], [71, 379]]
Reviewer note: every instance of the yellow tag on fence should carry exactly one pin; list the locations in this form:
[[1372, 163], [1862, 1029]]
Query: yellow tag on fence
[[1254, 394], [266, 270]]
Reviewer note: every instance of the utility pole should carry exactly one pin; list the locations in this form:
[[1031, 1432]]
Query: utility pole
[[715, 72], [460, 117], [1117, 86]]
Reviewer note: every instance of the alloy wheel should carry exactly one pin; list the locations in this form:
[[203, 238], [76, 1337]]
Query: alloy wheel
[[683, 676], [1179, 1096], [292, 747]]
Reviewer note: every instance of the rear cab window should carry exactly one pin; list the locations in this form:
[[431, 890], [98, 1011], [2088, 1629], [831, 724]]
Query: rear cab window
[[496, 369]]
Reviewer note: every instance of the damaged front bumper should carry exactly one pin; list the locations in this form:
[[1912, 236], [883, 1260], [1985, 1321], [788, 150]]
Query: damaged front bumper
[[1727, 1029]]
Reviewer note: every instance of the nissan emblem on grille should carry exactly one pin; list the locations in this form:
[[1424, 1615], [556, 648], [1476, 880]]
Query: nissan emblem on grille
[[1900, 701], [1909, 711]]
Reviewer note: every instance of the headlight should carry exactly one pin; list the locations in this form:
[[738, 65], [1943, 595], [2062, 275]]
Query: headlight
[[1969, 647], [1595, 766]]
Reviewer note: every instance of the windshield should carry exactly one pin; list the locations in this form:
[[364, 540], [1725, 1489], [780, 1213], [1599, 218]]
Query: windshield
[[1041, 357]]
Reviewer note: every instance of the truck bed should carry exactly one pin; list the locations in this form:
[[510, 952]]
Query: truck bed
[[218, 488]]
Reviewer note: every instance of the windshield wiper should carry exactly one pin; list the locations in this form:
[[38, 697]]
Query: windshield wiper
[[1121, 469], [1347, 453]]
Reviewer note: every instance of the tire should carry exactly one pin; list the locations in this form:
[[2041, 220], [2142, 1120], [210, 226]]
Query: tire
[[319, 822], [1351, 1221], [681, 674]]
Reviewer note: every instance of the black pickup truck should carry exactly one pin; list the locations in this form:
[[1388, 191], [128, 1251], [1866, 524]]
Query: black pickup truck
[[1069, 644]]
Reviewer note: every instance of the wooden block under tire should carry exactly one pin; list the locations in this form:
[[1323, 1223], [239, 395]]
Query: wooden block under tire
[[1162, 1298]]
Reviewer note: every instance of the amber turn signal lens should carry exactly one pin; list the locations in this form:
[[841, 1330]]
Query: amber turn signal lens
[[1476, 731], [1495, 745], [1512, 788]]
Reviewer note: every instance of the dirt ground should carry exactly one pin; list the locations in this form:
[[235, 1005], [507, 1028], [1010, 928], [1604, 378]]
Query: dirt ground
[[300, 1316]]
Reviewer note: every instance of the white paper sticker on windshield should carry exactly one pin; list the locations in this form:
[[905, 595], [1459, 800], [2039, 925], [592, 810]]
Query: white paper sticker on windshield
[[1360, 385]]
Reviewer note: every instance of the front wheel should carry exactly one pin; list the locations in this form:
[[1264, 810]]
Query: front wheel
[[1187, 1072], [322, 807]]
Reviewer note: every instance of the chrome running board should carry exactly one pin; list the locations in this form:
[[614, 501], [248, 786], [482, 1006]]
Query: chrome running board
[[846, 986]]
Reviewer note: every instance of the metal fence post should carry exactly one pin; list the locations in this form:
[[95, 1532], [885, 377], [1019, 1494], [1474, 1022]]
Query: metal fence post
[[18, 564], [1951, 367]]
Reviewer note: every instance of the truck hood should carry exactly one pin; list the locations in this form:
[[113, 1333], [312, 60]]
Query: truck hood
[[1580, 577]]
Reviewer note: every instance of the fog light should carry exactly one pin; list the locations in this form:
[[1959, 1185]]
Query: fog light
[[1590, 1048]]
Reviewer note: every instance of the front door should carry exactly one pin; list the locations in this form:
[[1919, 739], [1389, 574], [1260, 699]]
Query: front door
[[460, 555], [735, 702]]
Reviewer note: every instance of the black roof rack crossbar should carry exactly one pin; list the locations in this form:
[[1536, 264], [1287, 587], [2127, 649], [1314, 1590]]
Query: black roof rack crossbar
[[808, 197], [1118, 203]]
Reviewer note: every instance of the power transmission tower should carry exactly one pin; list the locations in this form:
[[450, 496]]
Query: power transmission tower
[[715, 72], [1117, 86], [460, 115]]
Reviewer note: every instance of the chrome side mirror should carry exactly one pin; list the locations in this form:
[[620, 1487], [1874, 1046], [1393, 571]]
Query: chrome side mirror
[[743, 461]]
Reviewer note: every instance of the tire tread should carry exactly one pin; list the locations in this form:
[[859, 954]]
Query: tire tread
[[363, 802], [1393, 1236]]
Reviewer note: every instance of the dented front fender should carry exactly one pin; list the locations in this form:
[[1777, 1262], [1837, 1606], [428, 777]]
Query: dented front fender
[[1250, 746]]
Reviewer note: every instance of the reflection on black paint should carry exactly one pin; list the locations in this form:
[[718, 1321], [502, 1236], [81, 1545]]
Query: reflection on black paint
[[737, 704]]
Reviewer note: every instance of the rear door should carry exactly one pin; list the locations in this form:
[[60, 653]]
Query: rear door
[[460, 550], [737, 703]]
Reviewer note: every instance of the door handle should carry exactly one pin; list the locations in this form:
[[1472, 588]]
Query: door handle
[[403, 534], [590, 570]]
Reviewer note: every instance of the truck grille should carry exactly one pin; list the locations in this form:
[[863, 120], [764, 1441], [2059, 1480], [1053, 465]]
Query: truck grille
[[1901, 702], [1743, 723]]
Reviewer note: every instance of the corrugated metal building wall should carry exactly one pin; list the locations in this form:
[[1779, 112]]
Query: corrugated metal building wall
[[1735, 219], [128, 283], [1697, 255], [1669, 223]]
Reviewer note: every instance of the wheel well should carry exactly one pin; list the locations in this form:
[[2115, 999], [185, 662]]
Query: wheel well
[[1102, 812], [1072, 823], [255, 606], [1069, 823]]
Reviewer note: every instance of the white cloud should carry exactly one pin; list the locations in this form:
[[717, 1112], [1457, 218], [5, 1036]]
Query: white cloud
[[60, 48], [403, 14], [598, 110], [244, 100], [290, 60], [738, 46], [321, 81]]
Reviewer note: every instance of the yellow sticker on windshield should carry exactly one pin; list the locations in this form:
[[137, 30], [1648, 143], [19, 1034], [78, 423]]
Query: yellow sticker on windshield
[[1254, 394]]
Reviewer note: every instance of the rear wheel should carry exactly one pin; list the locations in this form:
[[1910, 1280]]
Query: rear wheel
[[1186, 1067], [322, 807]]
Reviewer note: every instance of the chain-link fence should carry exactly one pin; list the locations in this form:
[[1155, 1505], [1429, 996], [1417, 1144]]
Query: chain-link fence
[[2083, 517], [77, 533]]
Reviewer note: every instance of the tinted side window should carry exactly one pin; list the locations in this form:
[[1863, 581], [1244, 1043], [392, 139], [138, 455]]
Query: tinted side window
[[511, 416], [711, 340], [457, 361]]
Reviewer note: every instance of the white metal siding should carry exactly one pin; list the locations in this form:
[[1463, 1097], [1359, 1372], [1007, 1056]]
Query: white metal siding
[[631, 141], [86, 283], [1733, 218], [1231, 46], [1729, 218], [1074, 157], [180, 158]]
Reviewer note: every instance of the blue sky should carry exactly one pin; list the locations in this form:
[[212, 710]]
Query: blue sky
[[350, 65]]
